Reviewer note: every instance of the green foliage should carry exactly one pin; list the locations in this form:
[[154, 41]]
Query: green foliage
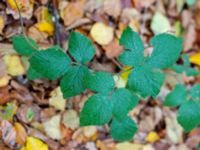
[[51, 63], [101, 82], [145, 78], [185, 68], [123, 130], [72, 82], [108, 104], [80, 47], [96, 111], [189, 115], [24, 45], [176, 97], [195, 92]]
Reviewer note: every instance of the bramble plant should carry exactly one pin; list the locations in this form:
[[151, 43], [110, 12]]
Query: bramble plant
[[110, 104]]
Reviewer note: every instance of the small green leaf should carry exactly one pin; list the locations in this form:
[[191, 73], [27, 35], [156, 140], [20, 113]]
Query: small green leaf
[[177, 96], [30, 114], [72, 82], [51, 63], [123, 130], [24, 45], [190, 2], [32, 74], [80, 47], [195, 92], [102, 82], [123, 102], [189, 115], [166, 51], [145, 81], [97, 110], [133, 54]]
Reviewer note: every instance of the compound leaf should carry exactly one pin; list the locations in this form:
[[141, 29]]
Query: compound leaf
[[133, 54], [123, 102], [24, 45], [80, 47], [72, 82], [166, 51], [51, 63], [101, 82], [97, 110], [177, 96], [123, 130], [145, 81], [189, 115]]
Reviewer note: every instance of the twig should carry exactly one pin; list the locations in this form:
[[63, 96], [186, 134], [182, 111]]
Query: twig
[[117, 63]]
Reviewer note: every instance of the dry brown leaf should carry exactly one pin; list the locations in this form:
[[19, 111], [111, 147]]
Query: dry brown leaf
[[8, 133], [101, 33], [26, 7], [189, 37], [2, 23], [71, 119], [71, 11], [112, 7], [113, 49], [143, 3], [21, 134]]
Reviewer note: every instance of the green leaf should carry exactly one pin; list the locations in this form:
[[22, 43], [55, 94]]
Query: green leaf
[[101, 82], [123, 130], [30, 114], [189, 115], [97, 110], [195, 92], [133, 54], [123, 102], [190, 2], [145, 81], [32, 74], [72, 82], [166, 51], [177, 96], [51, 63], [24, 45], [80, 47]]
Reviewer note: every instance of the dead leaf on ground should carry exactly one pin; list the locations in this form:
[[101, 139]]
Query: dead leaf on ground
[[21, 134], [71, 119], [2, 24], [113, 49], [71, 11], [112, 7], [8, 133]]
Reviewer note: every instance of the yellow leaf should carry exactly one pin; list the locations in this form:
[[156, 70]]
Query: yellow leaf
[[128, 146], [71, 119], [125, 72], [14, 65], [57, 99], [102, 33], [21, 133], [195, 59], [90, 132], [45, 27], [2, 24], [4, 80], [33, 143], [152, 137]]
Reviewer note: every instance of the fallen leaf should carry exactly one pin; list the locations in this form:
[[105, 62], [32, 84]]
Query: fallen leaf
[[189, 37], [143, 3], [125, 72], [128, 146], [71, 119], [112, 7], [7, 112], [174, 130], [101, 33], [90, 131], [195, 58], [45, 27], [25, 6], [14, 65], [8, 133], [152, 137], [71, 11], [4, 80], [2, 24], [57, 99], [52, 127], [119, 81], [21, 134], [33, 143], [113, 49], [160, 23], [4, 95]]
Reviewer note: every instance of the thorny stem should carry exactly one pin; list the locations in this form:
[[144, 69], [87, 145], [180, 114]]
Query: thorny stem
[[22, 26]]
